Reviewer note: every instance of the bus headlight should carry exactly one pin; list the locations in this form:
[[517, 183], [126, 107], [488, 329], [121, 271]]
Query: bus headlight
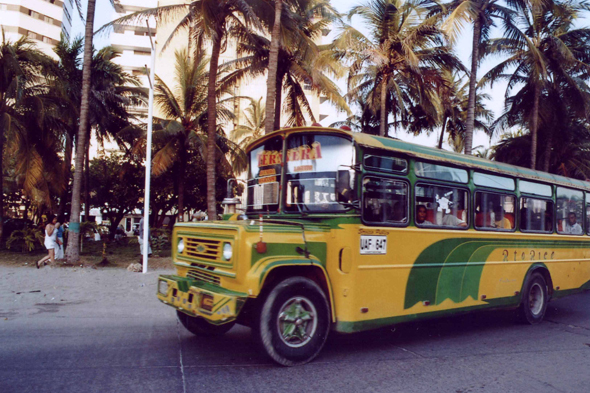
[[180, 246], [227, 251], [163, 287]]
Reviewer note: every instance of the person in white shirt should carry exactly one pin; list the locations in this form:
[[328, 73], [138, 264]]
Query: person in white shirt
[[452, 221], [571, 226]]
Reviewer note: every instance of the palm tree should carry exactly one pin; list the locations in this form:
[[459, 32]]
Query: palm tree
[[73, 252], [20, 74], [185, 109], [571, 151], [454, 110], [273, 58], [112, 92], [547, 51], [483, 15], [398, 65], [302, 63], [254, 127], [206, 20]]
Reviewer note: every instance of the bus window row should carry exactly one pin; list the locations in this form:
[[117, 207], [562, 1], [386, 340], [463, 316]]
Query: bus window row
[[387, 202]]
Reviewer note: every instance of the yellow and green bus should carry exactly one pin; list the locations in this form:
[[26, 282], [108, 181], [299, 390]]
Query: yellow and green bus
[[348, 232]]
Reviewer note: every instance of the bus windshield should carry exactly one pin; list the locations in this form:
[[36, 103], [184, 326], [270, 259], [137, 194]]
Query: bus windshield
[[312, 163]]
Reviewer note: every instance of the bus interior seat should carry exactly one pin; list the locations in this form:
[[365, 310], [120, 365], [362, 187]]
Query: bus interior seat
[[431, 216], [510, 217]]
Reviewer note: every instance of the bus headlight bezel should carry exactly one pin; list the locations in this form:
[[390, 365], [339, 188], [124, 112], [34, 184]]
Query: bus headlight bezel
[[227, 251], [180, 247]]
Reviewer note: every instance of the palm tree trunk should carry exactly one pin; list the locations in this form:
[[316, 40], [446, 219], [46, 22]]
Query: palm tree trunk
[[2, 130], [383, 121], [63, 200], [273, 61], [212, 126], [472, 89], [73, 253], [442, 132], [181, 174], [278, 103], [534, 126], [87, 181], [547, 155]]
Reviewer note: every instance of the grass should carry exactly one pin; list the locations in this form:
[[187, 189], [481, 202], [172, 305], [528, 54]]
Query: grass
[[118, 255]]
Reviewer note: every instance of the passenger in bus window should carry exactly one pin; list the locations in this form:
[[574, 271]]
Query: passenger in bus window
[[421, 213], [548, 221], [572, 226], [374, 211], [524, 221], [399, 213], [500, 221], [452, 221]]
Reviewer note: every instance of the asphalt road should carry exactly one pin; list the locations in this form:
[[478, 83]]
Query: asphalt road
[[104, 331]]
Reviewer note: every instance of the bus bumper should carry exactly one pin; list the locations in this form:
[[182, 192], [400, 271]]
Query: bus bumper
[[197, 298]]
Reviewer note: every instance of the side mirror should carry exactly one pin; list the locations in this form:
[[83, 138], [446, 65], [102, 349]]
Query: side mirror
[[345, 185]]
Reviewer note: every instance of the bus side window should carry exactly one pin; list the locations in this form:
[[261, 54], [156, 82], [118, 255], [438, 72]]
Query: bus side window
[[385, 201], [569, 211], [494, 211], [536, 215], [449, 205]]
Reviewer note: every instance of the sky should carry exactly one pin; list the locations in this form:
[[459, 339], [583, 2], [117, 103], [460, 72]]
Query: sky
[[105, 13]]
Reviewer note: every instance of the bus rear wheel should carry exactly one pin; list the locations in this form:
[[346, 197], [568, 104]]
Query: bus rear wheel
[[200, 327], [534, 299], [294, 321]]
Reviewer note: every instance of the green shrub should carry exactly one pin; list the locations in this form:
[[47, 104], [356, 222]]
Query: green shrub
[[27, 238]]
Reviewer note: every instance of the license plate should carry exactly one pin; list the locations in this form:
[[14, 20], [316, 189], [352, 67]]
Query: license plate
[[206, 302], [373, 244]]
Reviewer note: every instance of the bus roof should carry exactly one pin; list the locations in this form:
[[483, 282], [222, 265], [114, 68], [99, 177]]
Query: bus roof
[[443, 156]]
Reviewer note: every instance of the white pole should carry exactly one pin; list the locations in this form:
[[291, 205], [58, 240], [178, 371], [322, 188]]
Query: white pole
[[148, 158]]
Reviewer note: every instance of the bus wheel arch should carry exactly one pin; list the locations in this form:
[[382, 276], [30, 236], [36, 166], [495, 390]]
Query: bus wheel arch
[[535, 296], [312, 272], [544, 271], [294, 320]]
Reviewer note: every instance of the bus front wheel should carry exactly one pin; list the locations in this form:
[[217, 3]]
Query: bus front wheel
[[534, 299], [294, 321], [200, 327]]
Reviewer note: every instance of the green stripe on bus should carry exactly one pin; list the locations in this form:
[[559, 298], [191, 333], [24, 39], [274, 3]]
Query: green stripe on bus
[[452, 268]]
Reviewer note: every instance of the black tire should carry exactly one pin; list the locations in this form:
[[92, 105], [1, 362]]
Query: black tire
[[298, 338], [201, 327], [534, 300]]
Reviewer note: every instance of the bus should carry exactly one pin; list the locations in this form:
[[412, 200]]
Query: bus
[[348, 232]]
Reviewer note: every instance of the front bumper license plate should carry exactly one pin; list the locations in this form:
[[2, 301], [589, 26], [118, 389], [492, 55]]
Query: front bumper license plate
[[194, 297]]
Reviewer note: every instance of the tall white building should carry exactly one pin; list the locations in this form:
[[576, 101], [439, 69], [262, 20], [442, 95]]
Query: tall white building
[[133, 41], [41, 20]]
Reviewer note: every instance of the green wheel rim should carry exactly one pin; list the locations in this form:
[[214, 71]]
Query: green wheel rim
[[297, 321]]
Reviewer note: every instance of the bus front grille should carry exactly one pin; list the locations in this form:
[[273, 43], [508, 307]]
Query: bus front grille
[[203, 248], [203, 276]]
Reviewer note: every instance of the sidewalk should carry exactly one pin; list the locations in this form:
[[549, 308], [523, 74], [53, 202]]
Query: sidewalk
[[78, 291]]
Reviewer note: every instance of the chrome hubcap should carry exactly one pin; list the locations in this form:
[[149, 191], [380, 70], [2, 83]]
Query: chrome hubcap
[[297, 321], [536, 297]]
